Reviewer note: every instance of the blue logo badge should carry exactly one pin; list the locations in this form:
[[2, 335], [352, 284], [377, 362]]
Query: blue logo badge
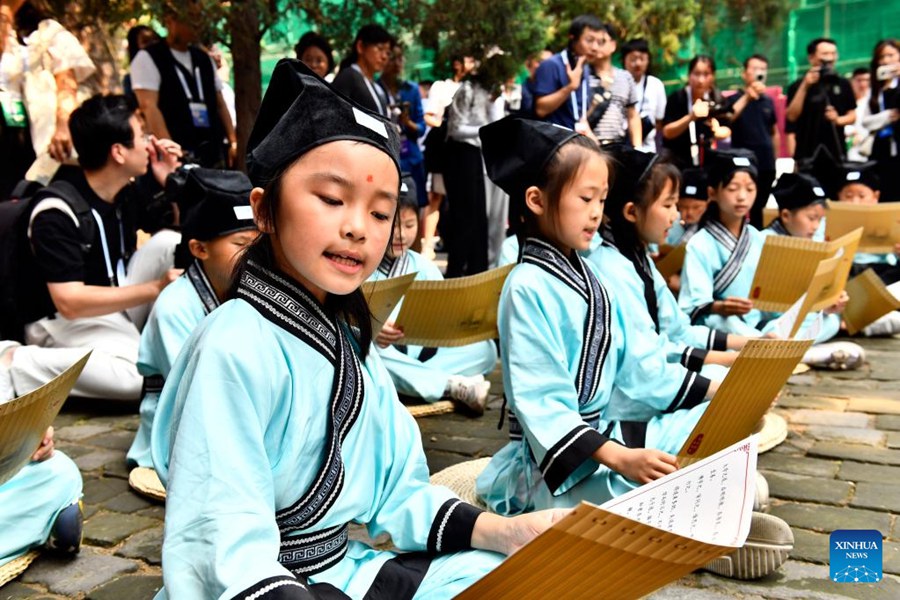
[[856, 556]]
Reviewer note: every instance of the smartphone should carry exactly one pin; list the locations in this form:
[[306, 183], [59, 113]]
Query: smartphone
[[886, 72]]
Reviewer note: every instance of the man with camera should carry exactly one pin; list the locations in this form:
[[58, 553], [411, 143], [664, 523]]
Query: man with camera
[[820, 104], [753, 126]]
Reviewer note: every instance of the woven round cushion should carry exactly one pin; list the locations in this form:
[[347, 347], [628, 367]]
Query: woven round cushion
[[774, 430], [146, 482], [16, 567], [441, 407], [461, 478]]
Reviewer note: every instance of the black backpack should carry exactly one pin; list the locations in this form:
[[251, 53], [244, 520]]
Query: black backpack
[[23, 291]]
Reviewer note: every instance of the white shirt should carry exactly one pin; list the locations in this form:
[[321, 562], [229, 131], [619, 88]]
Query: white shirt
[[145, 75], [651, 104]]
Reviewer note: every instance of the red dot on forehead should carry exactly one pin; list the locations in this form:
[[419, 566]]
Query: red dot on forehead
[[370, 179]]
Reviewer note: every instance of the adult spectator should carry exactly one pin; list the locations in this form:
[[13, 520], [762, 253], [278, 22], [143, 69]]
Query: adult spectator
[[562, 83], [368, 56], [138, 37], [43, 68], [315, 51], [84, 281], [651, 93], [753, 126], [689, 124], [613, 96], [180, 94], [861, 82], [407, 113], [820, 103], [880, 113], [526, 107]]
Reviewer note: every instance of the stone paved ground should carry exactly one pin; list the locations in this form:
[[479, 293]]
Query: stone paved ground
[[839, 469]]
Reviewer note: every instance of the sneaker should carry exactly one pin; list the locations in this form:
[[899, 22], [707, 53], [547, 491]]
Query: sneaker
[[7, 389], [470, 391], [889, 324], [835, 356], [65, 537], [772, 429], [761, 499], [767, 547]]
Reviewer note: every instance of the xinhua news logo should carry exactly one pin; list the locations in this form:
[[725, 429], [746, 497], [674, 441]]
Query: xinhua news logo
[[856, 556]]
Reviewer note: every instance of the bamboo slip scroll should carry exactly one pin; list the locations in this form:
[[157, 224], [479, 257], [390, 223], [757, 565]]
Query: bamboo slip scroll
[[452, 312], [384, 296], [870, 300], [787, 264], [24, 420], [671, 261], [746, 393], [638, 542], [880, 224]]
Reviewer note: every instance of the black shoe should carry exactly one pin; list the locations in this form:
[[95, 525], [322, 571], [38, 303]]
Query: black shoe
[[65, 537]]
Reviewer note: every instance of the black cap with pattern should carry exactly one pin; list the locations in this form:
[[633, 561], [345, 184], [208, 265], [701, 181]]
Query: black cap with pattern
[[694, 184], [720, 165], [835, 175], [798, 190], [631, 167], [215, 203], [301, 111]]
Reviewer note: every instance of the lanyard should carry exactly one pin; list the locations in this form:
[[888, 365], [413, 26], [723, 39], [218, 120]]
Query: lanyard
[[372, 91], [179, 68], [119, 276], [692, 131], [564, 57]]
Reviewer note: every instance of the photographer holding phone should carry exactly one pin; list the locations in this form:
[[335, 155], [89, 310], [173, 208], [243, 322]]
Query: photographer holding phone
[[820, 104], [879, 114], [753, 126]]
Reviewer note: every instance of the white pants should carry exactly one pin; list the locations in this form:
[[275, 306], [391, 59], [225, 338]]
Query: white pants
[[150, 262], [497, 204], [56, 344]]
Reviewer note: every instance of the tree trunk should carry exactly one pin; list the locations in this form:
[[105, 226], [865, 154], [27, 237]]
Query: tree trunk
[[243, 21]]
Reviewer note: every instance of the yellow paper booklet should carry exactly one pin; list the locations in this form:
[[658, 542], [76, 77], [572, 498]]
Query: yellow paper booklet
[[384, 296], [746, 393], [869, 300], [452, 312], [672, 259], [638, 542], [24, 420], [826, 284], [787, 264], [880, 223]]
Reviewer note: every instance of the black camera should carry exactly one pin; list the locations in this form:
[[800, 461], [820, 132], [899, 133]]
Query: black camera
[[761, 77], [717, 109], [826, 69]]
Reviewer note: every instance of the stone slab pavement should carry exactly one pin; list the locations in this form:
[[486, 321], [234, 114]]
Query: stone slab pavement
[[838, 469]]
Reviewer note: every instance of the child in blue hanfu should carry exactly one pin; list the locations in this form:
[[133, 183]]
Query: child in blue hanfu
[[567, 345], [721, 260], [217, 225], [428, 373], [40, 505], [285, 426]]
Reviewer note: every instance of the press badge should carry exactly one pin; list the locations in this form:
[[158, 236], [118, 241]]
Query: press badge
[[199, 114], [13, 109]]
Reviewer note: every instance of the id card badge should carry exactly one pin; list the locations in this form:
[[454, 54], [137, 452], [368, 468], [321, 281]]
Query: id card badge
[[13, 109], [199, 114]]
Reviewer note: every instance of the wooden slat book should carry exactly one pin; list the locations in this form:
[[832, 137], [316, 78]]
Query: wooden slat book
[[638, 542], [870, 300], [671, 259], [746, 393], [452, 312], [24, 420], [880, 224], [384, 296]]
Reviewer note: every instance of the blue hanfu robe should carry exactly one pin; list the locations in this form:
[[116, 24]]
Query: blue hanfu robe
[[681, 234], [424, 372], [277, 443], [680, 340], [177, 311], [32, 499], [830, 324], [565, 344], [716, 266]]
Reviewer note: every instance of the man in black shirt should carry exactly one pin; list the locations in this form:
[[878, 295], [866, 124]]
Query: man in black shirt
[[753, 126], [84, 280], [820, 104]]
